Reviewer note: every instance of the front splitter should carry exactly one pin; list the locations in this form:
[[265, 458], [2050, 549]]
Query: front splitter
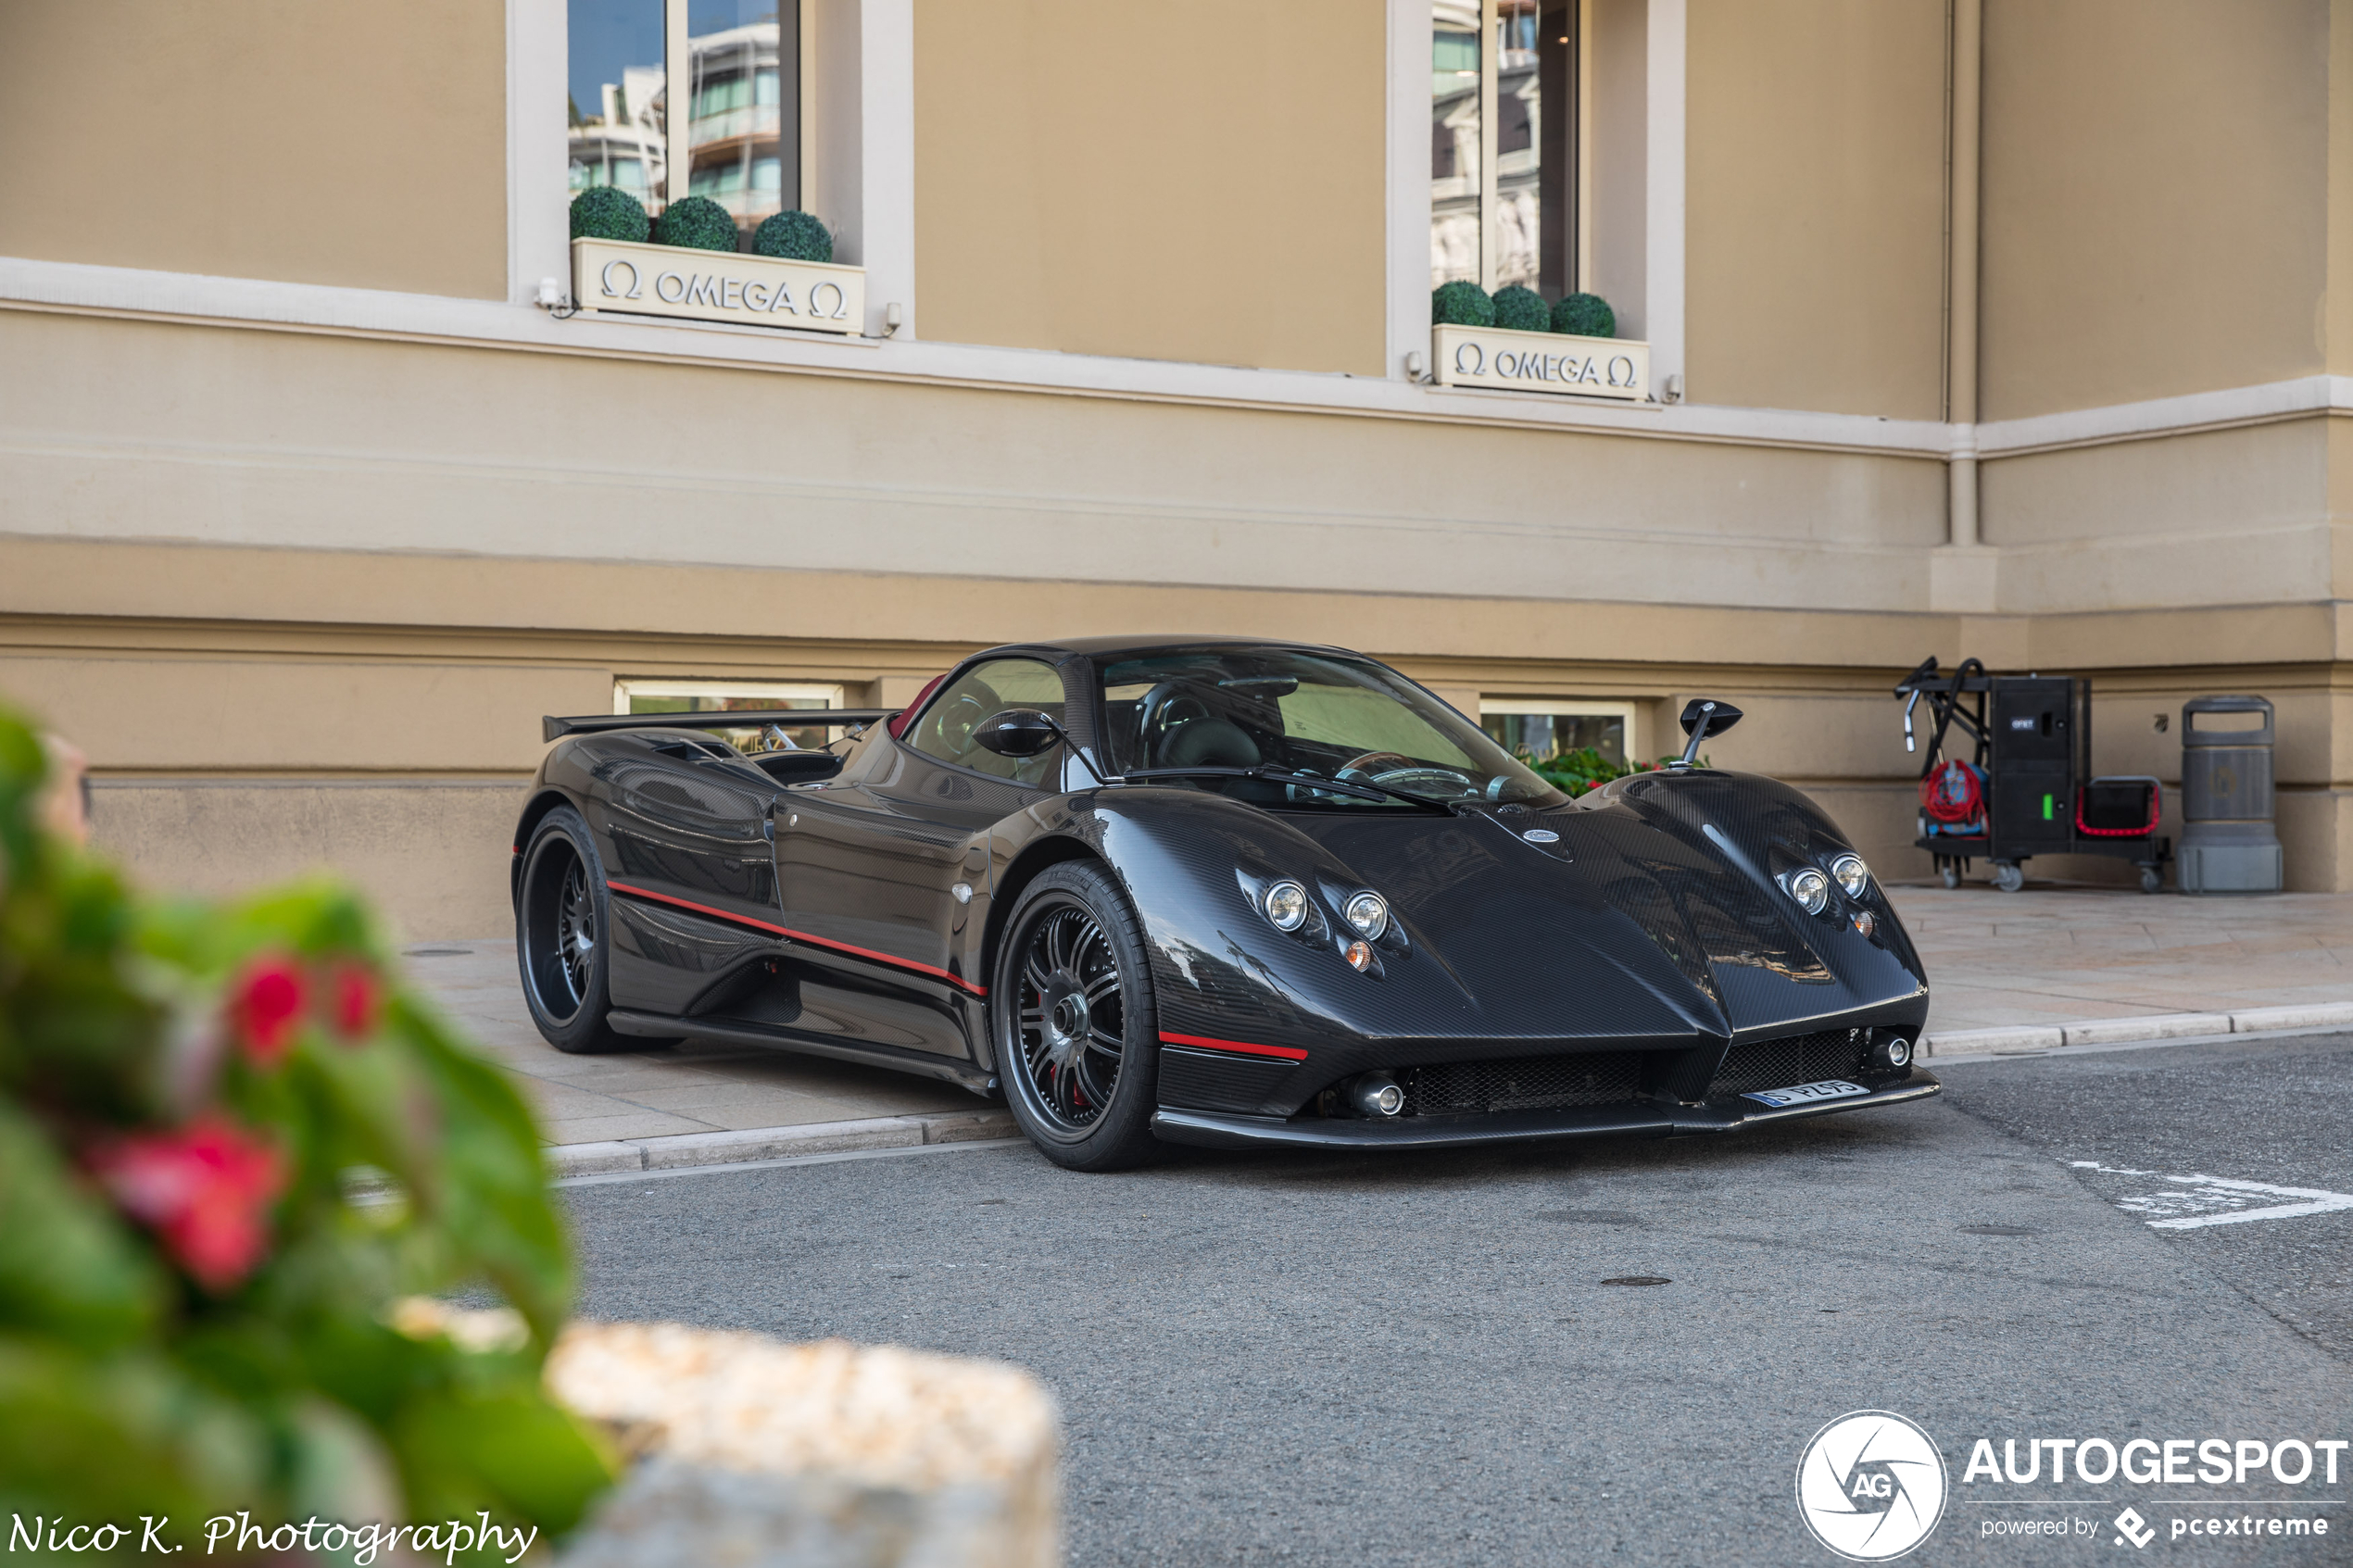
[[1215, 1129]]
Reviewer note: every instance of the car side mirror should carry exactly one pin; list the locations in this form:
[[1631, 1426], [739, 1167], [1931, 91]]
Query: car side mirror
[[1703, 716], [1017, 731], [1720, 716]]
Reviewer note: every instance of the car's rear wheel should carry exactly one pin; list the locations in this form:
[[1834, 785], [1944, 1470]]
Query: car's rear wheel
[[563, 921], [1076, 1031]]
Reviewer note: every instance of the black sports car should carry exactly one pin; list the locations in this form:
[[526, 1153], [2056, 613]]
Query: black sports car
[[1216, 891]]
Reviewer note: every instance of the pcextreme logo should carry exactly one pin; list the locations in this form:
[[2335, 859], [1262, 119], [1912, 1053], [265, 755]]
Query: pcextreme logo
[[1871, 1485]]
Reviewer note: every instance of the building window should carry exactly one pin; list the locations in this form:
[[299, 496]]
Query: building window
[[740, 67], [1503, 144], [723, 697], [1539, 729]]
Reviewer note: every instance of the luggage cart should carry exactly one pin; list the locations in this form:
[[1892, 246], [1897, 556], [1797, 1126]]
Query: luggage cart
[[2023, 787]]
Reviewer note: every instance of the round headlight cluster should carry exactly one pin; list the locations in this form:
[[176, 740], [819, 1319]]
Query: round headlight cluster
[[1810, 889], [1286, 906], [1368, 912], [1852, 875]]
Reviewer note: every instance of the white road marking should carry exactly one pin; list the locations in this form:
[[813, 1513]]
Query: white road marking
[[2195, 1201]]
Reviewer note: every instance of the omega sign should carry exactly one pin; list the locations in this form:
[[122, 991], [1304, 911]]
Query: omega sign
[[1554, 362], [705, 285]]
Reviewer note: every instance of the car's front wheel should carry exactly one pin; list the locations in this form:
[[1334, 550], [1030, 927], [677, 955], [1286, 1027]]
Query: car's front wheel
[[562, 921], [1074, 1024]]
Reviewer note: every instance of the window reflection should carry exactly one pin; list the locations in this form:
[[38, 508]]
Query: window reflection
[[1543, 738], [740, 81], [617, 97], [1454, 143], [1518, 156], [744, 131], [1516, 61]]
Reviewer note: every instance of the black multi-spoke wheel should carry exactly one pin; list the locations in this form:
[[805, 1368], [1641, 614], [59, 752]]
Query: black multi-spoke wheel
[[1076, 1043], [561, 914], [1072, 1036]]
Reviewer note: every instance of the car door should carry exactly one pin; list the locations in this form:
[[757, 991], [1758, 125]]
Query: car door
[[689, 864], [869, 866]]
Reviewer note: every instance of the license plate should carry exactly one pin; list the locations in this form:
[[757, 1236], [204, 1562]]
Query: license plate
[[1806, 1093]]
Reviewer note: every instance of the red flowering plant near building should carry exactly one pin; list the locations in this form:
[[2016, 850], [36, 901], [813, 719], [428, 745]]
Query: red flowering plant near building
[[236, 1156]]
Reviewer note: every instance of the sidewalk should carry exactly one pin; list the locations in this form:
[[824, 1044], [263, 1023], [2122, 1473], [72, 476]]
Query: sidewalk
[[2037, 969]]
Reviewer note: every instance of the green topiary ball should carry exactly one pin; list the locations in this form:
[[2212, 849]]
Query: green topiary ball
[[796, 236], [1460, 304], [602, 213], [697, 223], [1585, 315], [1522, 309]]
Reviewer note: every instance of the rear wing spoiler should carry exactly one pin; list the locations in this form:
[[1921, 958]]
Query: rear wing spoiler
[[552, 728]]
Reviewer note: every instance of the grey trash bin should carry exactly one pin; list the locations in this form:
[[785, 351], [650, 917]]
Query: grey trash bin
[[2228, 842]]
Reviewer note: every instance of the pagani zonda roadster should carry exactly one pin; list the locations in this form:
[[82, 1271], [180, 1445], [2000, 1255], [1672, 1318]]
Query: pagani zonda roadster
[[1216, 891]]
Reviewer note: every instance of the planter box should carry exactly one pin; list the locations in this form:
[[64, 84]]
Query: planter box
[[717, 285], [1554, 362], [752, 1453]]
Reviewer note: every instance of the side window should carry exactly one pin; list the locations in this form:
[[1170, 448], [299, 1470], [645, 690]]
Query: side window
[[945, 730]]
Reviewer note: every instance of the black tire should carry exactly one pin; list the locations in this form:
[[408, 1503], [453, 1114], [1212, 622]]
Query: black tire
[[1081, 1085], [563, 942]]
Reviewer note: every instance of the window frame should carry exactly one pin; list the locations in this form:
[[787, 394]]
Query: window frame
[[827, 694], [905, 737], [1630, 181], [859, 119], [1620, 709]]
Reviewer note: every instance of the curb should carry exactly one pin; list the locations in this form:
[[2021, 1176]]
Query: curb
[[686, 1149], [2148, 1026]]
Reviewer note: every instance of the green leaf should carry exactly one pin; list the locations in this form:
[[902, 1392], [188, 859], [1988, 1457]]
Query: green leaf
[[68, 1268]]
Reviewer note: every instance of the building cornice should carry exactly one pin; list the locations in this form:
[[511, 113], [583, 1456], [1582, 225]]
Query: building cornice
[[257, 304], [2228, 409]]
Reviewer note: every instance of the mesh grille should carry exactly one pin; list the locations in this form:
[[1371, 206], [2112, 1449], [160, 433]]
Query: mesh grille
[[1528, 1083], [1800, 1059]]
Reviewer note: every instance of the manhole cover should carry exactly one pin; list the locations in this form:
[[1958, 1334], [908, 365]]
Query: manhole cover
[[1639, 1279]]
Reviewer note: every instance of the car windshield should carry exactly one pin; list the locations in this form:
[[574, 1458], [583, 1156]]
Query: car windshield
[[1297, 712]]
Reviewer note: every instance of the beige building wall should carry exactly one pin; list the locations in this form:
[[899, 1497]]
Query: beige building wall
[[1202, 182], [303, 594], [2156, 211], [1814, 267], [133, 429], [315, 143]]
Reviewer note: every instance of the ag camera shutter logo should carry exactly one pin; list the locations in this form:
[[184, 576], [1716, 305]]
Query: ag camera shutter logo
[[1871, 1485]]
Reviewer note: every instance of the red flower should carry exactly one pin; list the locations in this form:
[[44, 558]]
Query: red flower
[[355, 1000], [204, 1189], [267, 1009]]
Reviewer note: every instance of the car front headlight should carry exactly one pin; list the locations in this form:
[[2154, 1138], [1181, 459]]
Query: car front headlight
[[1368, 912], [1286, 905], [1852, 875], [1810, 889]]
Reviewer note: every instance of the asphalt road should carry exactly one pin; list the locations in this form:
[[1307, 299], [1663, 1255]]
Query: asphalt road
[[1357, 1361]]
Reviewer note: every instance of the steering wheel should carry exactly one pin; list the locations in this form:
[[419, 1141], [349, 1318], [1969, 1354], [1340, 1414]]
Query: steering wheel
[[1399, 772], [954, 720], [1164, 706]]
